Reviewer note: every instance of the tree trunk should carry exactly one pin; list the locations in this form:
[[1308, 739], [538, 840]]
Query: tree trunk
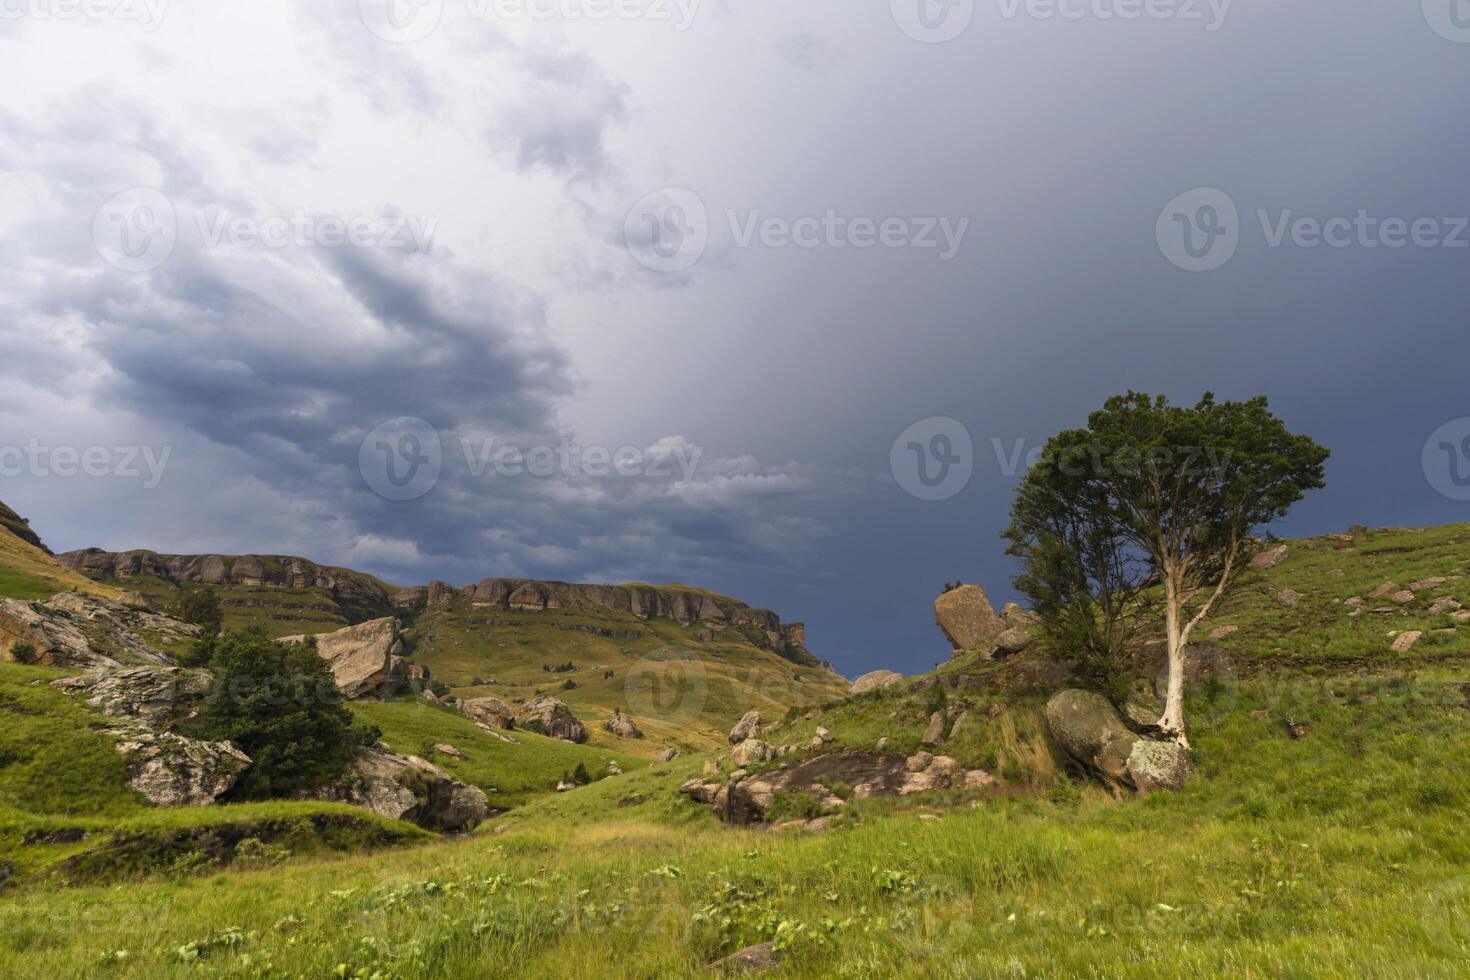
[[1173, 720]]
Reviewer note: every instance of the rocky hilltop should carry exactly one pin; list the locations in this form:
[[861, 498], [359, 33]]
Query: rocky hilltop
[[358, 595], [20, 527], [690, 607]]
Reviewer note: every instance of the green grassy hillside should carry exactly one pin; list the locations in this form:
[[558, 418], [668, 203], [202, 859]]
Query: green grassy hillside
[[28, 572], [684, 687]]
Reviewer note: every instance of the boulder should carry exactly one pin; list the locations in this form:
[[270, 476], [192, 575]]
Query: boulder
[[749, 726], [1461, 616], [173, 771], [875, 680], [73, 629], [622, 725], [1012, 641], [1386, 589], [157, 697], [1427, 584], [1405, 641], [1090, 730], [489, 711], [1444, 604], [919, 761], [1402, 597], [1158, 766], [1288, 597], [967, 618], [1221, 632], [550, 716], [405, 787], [1270, 557], [934, 734], [453, 751], [752, 752], [362, 657], [667, 755], [1013, 615], [1142, 711]]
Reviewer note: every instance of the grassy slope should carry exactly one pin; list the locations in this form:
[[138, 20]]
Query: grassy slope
[[681, 690], [27, 572], [1338, 854], [510, 774]]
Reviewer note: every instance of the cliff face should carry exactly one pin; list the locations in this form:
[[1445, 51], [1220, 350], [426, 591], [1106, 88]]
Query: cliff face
[[359, 596], [687, 606]]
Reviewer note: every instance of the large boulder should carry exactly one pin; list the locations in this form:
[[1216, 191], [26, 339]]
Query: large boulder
[[752, 752], [171, 770], [74, 629], [749, 726], [875, 680], [1270, 557], [405, 787], [489, 710], [365, 659], [1158, 765], [1087, 726], [550, 716], [158, 697], [1013, 641], [967, 618], [622, 725]]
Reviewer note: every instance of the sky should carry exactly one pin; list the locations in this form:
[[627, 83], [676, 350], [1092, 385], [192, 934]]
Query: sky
[[771, 298]]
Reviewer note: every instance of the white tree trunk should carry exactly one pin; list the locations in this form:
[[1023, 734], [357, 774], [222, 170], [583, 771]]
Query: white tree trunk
[[1173, 720]]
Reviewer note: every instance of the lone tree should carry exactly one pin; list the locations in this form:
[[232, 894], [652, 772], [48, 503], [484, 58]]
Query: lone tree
[[1150, 502]]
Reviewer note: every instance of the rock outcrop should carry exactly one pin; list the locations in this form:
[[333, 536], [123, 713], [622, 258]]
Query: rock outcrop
[[489, 711], [73, 629], [875, 680], [20, 527], [752, 752], [157, 697], [174, 771], [749, 726], [550, 716], [746, 800], [365, 659], [967, 618], [622, 725], [1270, 557], [405, 787]]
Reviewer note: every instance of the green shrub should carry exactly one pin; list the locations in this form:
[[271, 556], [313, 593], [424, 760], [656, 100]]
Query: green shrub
[[201, 607], [23, 652], [278, 704]]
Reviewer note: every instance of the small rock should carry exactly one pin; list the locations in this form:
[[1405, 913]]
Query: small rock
[[928, 816], [976, 778], [1402, 597], [1386, 589], [1462, 616], [752, 752], [935, 732], [919, 761], [667, 755], [1406, 640], [613, 769], [882, 743], [823, 735], [562, 786], [762, 956], [818, 824], [1270, 558], [1221, 632], [622, 725], [449, 750], [1288, 597], [1012, 641], [1426, 584], [1444, 604], [1356, 600]]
